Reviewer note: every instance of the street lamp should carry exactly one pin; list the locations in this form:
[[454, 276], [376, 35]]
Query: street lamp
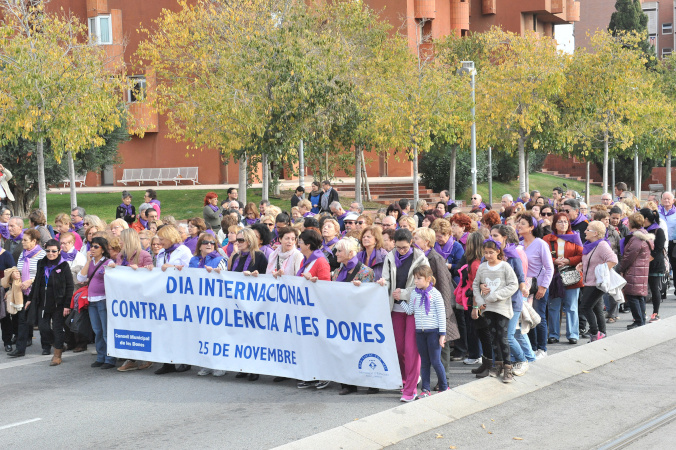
[[468, 67]]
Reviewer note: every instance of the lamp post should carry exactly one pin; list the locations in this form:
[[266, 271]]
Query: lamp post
[[468, 67]]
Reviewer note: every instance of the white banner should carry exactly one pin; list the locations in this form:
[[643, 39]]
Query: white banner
[[283, 327]]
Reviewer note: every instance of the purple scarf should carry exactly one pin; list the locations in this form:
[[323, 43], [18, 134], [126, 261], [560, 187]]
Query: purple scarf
[[589, 246], [663, 212], [580, 218], [342, 216], [229, 248], [70, 256], [18, 238], [49, 267], [346, 268], [571, 237], [169, 251], [399, 259], [127, 209], [143, 222], [213, 208], [77, 225], [203, 260], [4, 230], [463, 239], [326, 246], [191, 243], [510, 251], [308, 214], [362, 257], [652, 227], [446, 250], [481, 206], [250, 222], [307, 261], [425, 297], [247, 261], [450, 202], [25, 270]]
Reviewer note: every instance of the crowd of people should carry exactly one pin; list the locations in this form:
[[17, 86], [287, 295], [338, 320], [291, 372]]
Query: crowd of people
[[487, 287]]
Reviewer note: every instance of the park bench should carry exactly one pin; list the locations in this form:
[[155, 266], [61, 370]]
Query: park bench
[[161, 175], [78, 179]]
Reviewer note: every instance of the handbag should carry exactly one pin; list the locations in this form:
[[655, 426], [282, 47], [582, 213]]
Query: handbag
[[569, 275], [78, 322], [80, 297]]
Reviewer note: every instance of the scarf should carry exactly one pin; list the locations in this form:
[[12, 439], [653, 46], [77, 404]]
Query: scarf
[[308, 214], [125, 261], [309, 260], [665, 213], [143, 222], [229, 248], [18, 238], [481, 206], [203, 260], [425, 297], [127, 209], [399, 259], [450, 202], [345, 268], [169, 251], [510, 251], [463, 239], [191, 243], [589, 246], [70, 256], [580, 218], [4, 230], [250, 222], [247, 261], [446, 250], [572, 237], [159, 205], [326, 246], [652, 227], [283, 258], [342, 216], [25, 270], [77, 225], [371, 261], [213, 208], [49, 266]]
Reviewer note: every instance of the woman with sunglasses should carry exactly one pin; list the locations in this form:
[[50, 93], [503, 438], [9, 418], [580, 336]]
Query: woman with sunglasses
[[207, 256], [98, 257], [362, 222], [546, 218], [50, 296]]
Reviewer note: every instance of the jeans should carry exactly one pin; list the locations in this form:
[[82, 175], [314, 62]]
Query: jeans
[[637, 305], [611, 306], [430, 355], [655, 285], [52, 328], [514, 347], [570, 308], [498, 326], [592, 308], [98, 318], [407, 351], [539, 335]]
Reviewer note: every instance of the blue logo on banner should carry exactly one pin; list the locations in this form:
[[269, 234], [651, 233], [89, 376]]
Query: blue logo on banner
[[139, 341], [372, 361]]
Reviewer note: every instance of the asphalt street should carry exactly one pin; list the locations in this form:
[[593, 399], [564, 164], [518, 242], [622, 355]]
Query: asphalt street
[[76, 406]]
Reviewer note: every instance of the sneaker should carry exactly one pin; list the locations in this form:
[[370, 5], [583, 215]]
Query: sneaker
[[204, 372], [425, 393], [145, 365], [219, 373], [597, 337], [469, 361], [540, 354], [519, 369], [406, 399], [633, 325], [654, 318], [457, 357], [97, 364], [127, 366], [306, 384], [322, 384], [107, 366]]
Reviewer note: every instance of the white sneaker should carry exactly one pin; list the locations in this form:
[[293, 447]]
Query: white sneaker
[[469, 361], [204, 371], [219, 373], [520, 368], [540, 354]]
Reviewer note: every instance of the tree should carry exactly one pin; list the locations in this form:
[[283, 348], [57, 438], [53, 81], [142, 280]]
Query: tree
[[57, 85], [629, 16]]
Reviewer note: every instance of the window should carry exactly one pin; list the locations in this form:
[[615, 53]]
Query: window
[[667, 28], [137, 89], [666, 52], [100, 30]]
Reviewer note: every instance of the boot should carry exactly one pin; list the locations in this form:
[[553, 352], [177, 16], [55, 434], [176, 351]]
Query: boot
[[482, 370], [497, 370], [56, 359], [507, 376]]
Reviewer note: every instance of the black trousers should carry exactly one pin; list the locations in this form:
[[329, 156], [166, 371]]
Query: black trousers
[[655, 292], [22, 334], [498, 324], [51, 326], [592, 308], [10, 327], [672, 258]]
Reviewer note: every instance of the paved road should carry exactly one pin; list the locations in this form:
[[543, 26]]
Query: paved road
[[112, 409]]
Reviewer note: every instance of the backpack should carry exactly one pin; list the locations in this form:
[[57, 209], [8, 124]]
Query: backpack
[[463, 291]]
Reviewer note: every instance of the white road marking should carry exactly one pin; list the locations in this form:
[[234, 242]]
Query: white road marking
[[11, 425]]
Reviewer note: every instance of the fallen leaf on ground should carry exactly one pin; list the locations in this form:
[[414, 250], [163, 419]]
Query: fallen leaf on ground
[[490, 432], [439, 436], [585, 371], [517, 439], [452, 447], [492, 420], [483, 426]]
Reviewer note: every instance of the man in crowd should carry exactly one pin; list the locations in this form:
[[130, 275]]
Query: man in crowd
[[232, 194], [445, 197], [557, 198], [477, 204], [350, 221], [578, 221], [507, 200], [297, 196], [405, 206], [523, 198], [356, 207], [77, 221], [389, 223], [619, 189], [151, 215], [339, 213], [263, 206], [13, 244], [329, 196], [534, 195], [607, 199], [667, 212]]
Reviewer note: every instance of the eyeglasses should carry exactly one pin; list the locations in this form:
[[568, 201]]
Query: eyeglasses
[[157, 243], [51, 251], [547, 214], [402, 249], [270, 224], [360, 222], [475, 198], [567, 211], [144, 239], [377, 223], [622, 198], [208, 243], [67, 243], [241, 240], [348, 222], [388, 225], [86, 224], [97, 246]]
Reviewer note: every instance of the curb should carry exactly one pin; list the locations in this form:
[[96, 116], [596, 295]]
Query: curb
[[402, 422]]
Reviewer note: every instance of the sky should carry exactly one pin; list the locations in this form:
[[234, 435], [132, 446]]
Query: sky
[[564, 37]]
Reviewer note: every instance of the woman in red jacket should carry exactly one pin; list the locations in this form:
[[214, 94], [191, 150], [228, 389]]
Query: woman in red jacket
[[566, 248]]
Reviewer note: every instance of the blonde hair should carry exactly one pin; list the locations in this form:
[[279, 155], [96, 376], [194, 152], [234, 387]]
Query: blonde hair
[[63, 218], [114, 242], [250, 237], [599, 227], [427, 234], [349, 245], [120, 222], [304, 204], [335, 224], [170, 232], [273, 211], [410, 221], [131, 245]]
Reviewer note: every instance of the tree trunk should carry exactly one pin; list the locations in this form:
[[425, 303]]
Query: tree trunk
[[451, 179], [366, 178], [522, 164], [23, 201], [357, 173], [490, 175], [605, 162], [667, 186], [586, 186], [527, 172], [301, 165], [42, 186], [71, 177], [640, 176], [637, 189], [242, 178], [265, 185], [275, 173], [416, 194]]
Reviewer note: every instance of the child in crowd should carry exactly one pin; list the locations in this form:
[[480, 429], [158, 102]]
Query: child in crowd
[[126, 210], [493, 287], [430, 326]]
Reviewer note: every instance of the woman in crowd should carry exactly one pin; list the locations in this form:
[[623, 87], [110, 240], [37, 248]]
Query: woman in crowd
[[461, 226], [232, 240], [76, 261], [251, 214], [657, 268], [114, 244], [62, 225], [305, 208], [409, 223], [362, 222], [264, 237], [9, 324], [353, 271], [196, 226], [37, 220], [595, 251], [206, 255], [399, 280], [330, 236], [151, 198], [286, 259], [211, 213], [613, 238], [116, 227], [378, 219], [547, 217], [541, 270], [5, 215], [447, 246], [90, 232], [424, 239], [126, 210], [50, 299], [442, 210], [222, 236], [566, 250], [372, 254], [394, 210], [268, 221], [145, 236], [420, 210], [315, 196], [173, 254], [490, 219], [155, 248], [635, 267], [27, 269], [98, 257]]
